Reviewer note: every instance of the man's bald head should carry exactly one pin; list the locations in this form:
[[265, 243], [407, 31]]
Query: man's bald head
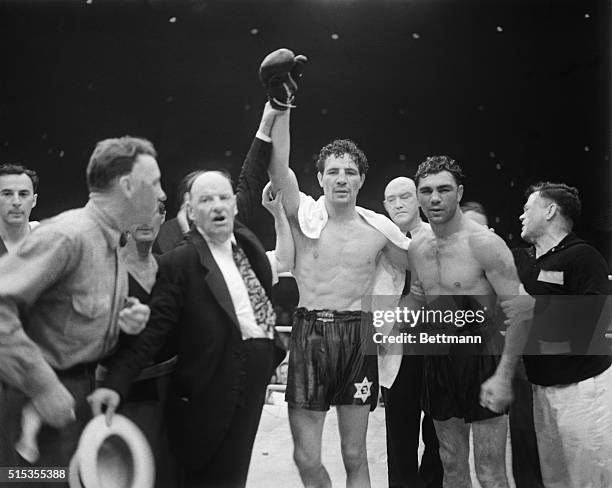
[[401, 203], [400, 183], [212, 205]]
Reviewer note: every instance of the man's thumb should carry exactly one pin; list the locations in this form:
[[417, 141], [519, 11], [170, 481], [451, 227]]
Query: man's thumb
[[110, 411]]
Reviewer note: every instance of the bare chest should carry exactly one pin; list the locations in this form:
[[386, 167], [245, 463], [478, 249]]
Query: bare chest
[[449, 268], [354, 246]]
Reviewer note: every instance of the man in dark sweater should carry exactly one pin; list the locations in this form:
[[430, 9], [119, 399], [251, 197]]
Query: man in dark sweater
[[566, 358]]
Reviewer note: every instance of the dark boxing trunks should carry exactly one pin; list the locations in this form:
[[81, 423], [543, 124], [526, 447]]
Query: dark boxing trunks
[[451, 382], [328, 364]]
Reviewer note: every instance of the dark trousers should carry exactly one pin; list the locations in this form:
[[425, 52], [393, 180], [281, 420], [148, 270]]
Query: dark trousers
[[525, 459], [403, 422], [146, 407], [56, 446], [229, 467]]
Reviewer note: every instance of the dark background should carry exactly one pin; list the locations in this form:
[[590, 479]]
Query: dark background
[[515, 91]]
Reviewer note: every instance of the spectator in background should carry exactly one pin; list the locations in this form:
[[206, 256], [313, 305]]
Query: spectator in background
[[403, 399], [173, 231], [145, 403], [476, 212], [18, 187]]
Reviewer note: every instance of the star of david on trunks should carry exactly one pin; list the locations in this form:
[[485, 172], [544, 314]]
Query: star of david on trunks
[[363, 389]]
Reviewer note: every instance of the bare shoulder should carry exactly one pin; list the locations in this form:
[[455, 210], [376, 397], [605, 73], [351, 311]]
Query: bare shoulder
[[481, 237], [368, 234], [424, 229], [421, 239], [487, 247]]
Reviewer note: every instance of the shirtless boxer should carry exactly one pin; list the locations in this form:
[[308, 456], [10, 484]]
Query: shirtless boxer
[[336, 254], [463, 258]]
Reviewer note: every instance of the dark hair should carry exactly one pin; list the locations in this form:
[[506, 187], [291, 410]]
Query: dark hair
[[566, 197], [18, 169], [338, 148], [436, 164], [474, 207], [113, 158]]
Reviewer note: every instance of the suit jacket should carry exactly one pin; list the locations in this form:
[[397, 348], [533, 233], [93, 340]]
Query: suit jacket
[[191, 306], [191, 299]]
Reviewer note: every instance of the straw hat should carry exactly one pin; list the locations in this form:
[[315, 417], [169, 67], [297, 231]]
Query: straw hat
[[118, 456]]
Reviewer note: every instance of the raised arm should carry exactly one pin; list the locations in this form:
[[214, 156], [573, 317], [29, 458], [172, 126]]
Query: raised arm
[[283, 257], [254, 172], [281, 176]]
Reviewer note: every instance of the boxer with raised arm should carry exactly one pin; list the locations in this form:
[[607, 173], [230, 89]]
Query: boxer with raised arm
[[338, 247]]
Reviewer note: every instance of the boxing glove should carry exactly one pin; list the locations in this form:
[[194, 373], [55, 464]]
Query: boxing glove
[[279, 72]]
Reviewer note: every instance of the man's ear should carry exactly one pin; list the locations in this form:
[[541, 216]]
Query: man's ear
[[459, 192], [320, 178], [125, 183], [35, 199], [551, 211], [362, 177], [188, 209]]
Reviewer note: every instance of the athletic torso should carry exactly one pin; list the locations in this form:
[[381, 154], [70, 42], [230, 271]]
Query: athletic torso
[[449, 266], [335, 271]]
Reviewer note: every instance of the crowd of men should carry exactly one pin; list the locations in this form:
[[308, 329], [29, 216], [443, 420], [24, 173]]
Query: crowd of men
[[108, 309]]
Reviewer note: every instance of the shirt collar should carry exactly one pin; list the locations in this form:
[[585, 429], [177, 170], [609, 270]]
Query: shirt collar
[[568, 239], [224, 245], [108, 225]]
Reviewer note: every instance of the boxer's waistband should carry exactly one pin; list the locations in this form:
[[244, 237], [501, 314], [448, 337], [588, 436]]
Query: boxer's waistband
[[326, 315]]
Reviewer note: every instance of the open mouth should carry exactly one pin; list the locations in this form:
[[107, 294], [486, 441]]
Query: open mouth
[[219, 218]]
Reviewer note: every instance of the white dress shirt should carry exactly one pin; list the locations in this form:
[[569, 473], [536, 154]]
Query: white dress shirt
[[223, 256]]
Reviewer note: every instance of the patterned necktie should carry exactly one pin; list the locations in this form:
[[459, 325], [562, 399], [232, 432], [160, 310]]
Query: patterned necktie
[[262, 307]]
